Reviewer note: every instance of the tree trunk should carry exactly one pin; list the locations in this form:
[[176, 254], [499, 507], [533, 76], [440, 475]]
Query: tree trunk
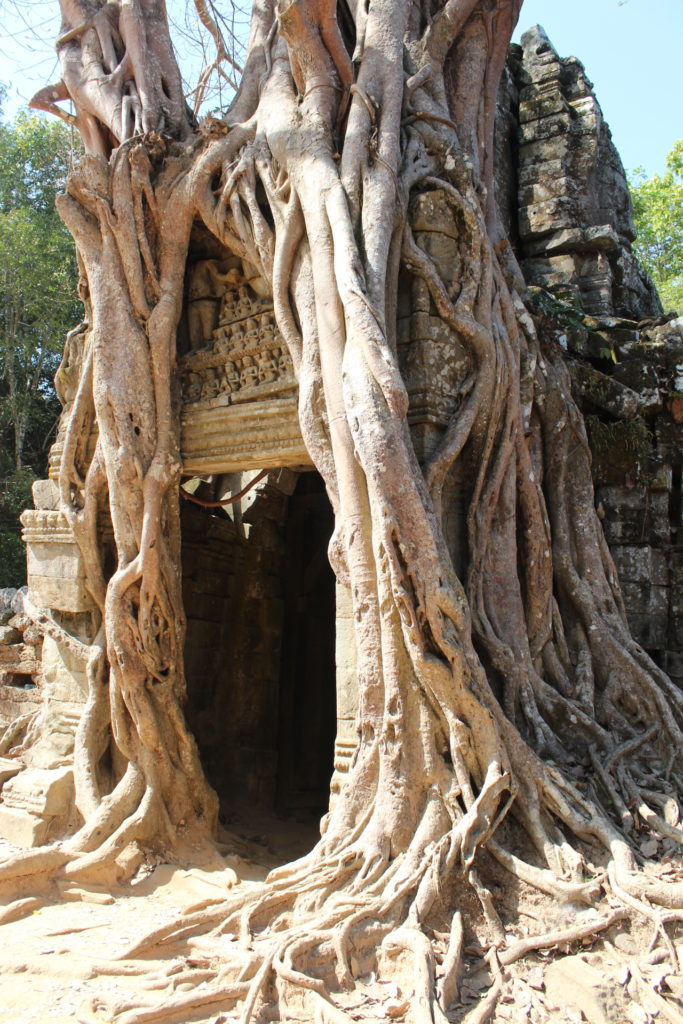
[[476, 693]]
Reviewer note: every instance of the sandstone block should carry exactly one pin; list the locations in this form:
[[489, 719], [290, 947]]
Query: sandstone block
[[63, 676], [19, 659], [643, 565], [552, 272], [67, 595], [42, 791], [46, 494], [9, 767], [21, 828], [538, 103], [549, 215], [546, 127]]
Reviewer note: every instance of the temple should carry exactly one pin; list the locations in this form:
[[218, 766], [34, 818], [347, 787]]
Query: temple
[[269, 657]]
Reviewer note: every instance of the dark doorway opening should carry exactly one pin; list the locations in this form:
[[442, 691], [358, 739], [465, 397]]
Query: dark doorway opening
[[260, 662], [307, 723]]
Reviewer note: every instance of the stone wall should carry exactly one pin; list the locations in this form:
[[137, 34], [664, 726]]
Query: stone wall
[[563, 194], [634, 409], [561, 185], [20, 660]]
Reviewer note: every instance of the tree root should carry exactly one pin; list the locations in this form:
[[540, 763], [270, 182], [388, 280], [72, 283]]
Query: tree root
[[317, 941], [221, 995], [19, 908]]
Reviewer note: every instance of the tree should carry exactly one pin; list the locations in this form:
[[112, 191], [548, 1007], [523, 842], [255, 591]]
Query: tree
[[658, 216], [38, 304], [477, 693]]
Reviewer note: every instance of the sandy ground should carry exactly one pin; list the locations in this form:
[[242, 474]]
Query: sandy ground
[[59, 962]]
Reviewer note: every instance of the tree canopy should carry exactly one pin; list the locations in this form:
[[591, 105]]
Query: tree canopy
[[38, 304], [658, 216]]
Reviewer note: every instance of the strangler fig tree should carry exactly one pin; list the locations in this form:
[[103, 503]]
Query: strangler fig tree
[[478, 689]]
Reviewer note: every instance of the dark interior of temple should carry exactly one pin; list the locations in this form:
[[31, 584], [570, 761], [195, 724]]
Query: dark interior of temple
[[259, 596]]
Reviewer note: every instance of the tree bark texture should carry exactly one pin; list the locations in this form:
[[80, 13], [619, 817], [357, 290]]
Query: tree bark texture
[[478, 691]]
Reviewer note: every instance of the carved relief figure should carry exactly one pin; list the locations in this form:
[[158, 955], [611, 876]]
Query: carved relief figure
[[208, 282]]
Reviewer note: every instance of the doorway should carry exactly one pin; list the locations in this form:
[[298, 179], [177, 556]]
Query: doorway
[[260, 663]]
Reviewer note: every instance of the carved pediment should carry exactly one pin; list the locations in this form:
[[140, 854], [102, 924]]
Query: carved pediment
[[239, 390], [246, 358]]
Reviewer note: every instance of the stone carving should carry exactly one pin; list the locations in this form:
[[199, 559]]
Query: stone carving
[[207, 282], [56, 576], [244, 359], [69, 370]]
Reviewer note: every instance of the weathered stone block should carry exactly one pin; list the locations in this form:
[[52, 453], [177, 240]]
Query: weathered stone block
[[673, 664], [540, 103], [56, 576], [64, 677], [648, 632], [55, 746], [634, 516], [546, 128], [45, 494], [643, 565], [21, 828], [543, 190], [669, 439], [550, 215], [47, 792], [16, 701], [9, 767], [552, 272]]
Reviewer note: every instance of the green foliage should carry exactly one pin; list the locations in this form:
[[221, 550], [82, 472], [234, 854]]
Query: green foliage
[[37, 281], [658, 216], [38, 305], [562, 308], [15, 496], [561, 312]]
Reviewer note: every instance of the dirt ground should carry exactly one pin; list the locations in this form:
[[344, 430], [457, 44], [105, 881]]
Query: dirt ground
[[58, 962]]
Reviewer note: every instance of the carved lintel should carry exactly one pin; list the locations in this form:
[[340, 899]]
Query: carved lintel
[[232, 438]]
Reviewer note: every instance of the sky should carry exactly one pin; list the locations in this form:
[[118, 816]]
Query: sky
[[632, 51]]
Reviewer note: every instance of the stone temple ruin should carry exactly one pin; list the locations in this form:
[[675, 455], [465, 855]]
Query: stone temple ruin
[[269, 653]]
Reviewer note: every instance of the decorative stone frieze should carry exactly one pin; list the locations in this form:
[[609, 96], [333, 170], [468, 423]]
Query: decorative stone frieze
[[240, 393], [250, 435]]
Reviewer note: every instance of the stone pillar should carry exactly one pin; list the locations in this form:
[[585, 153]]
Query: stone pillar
[[38, 802]]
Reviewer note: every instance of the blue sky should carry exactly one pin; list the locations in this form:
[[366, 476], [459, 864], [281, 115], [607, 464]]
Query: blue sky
[[632, 51]]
